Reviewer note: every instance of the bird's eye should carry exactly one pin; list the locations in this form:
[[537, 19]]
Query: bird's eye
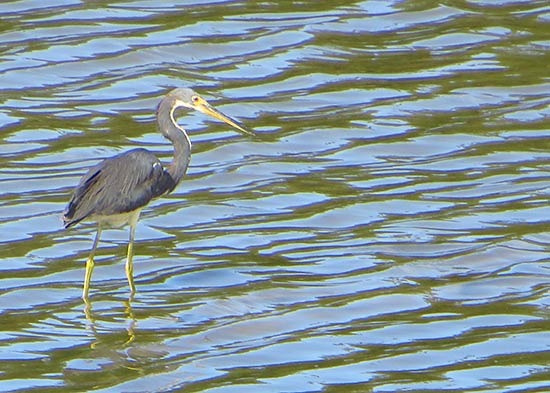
[[195, 99]]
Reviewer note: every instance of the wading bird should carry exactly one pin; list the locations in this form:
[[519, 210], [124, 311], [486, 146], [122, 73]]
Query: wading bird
[[114, 191]]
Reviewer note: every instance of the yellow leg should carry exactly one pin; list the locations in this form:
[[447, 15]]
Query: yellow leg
[[88, 277], [90, 266], [129, 259]]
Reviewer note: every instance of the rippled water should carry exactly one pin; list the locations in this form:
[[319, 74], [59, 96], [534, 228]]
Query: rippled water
[[387, 230]]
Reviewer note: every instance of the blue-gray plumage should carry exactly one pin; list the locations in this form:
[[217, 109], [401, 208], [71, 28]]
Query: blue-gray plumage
[[109, 189], [113, 192]]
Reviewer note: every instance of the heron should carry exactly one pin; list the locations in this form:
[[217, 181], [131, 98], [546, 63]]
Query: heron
[[113, 192]]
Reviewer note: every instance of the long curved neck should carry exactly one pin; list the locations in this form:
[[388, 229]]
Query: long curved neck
[[177, 135]]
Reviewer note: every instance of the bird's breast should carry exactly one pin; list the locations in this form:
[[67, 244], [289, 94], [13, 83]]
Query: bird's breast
[[117, 220]]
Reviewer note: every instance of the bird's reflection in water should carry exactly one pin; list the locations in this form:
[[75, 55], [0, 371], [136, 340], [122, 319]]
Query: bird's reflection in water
[[92, 322], [131, 320]]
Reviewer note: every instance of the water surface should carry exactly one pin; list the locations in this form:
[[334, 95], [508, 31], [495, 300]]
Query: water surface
[[385, 231]]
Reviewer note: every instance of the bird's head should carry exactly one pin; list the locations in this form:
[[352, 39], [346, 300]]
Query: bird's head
[[184, 97]]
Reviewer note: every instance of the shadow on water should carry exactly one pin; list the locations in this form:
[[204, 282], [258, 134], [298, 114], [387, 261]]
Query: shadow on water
[[386, 232]]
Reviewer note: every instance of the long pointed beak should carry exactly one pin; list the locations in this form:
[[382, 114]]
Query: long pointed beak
[[203, 106]]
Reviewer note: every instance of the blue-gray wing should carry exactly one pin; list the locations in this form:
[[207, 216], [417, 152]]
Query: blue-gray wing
[[118, 185]]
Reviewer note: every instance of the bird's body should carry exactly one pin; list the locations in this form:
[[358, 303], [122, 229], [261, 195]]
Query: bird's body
[[103, 194], [113, 192]]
